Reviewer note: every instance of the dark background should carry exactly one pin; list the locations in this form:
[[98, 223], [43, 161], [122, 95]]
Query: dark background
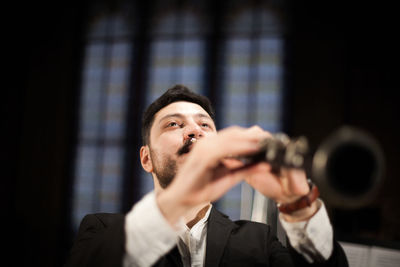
[[341, 68]]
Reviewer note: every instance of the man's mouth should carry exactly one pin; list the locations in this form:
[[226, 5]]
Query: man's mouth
[[186, 146]]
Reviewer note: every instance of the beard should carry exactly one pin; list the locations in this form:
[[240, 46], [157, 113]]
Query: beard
[[166, 171]]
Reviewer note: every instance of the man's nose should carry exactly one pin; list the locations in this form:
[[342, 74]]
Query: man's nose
[[193, 131]]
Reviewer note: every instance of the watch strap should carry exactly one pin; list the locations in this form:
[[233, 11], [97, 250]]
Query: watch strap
[[301, 203]]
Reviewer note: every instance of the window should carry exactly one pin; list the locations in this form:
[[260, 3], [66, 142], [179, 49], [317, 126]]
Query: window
[[100, 152], [246, 43], [252, 85], [176, 57]]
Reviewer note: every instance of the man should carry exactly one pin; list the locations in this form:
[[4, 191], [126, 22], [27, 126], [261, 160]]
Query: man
[[193, 165]]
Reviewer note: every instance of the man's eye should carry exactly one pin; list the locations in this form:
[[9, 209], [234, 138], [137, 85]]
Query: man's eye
[[206, 125], [172, 124]]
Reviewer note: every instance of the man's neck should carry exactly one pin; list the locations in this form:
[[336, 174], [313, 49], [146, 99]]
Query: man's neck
[[199, 212], [196, 213]]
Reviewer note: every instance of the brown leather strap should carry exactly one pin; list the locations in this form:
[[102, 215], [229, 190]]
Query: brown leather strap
[[301, 203]]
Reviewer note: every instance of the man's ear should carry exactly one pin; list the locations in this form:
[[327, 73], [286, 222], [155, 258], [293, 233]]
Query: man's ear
[[145, 159]]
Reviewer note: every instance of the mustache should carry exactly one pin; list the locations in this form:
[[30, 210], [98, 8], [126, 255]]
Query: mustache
[[185, 147]]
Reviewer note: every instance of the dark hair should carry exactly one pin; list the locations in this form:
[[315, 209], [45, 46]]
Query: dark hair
[[174, 94]]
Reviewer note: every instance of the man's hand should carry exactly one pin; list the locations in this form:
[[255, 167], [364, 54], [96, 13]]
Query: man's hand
[[207, 172], [210, 171], [285, 187]]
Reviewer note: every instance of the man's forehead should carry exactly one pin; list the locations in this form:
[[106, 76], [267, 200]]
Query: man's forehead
[[183, 108]]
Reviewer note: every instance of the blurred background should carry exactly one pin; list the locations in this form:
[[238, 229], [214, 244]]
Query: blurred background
[[82, 73]]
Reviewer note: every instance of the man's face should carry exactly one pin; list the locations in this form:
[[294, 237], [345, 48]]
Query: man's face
[[173, 126]]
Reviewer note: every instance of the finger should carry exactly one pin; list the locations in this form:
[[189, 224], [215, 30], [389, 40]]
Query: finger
[[228, 144], [232, 163], [259, 132], [297, 181], [265, 182]]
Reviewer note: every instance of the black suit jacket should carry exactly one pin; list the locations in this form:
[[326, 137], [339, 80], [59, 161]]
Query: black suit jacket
[[100, 242]]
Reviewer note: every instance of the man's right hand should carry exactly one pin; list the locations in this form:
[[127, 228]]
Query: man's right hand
[[210, 171]]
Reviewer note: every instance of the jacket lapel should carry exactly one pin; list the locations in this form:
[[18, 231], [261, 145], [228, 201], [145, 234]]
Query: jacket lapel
[[172, 259], [218, 232]]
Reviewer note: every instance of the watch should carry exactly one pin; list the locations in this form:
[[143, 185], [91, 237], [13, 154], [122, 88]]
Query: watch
[[301, 203]]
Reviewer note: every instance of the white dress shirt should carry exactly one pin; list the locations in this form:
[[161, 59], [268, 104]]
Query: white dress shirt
[[149, 236], [192, 242]]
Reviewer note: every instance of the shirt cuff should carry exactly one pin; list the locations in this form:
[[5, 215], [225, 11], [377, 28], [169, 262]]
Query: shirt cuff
[[148, 235], [313, 238]]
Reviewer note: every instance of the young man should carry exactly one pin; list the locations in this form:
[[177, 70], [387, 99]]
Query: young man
[[193, 165]]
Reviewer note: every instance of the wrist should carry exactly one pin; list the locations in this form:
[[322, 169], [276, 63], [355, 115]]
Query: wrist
[[303, 214], [170, 207], [304, 207]]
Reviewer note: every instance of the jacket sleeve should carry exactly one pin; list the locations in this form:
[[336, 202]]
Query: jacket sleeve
[[99, 242], [281, 256]]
